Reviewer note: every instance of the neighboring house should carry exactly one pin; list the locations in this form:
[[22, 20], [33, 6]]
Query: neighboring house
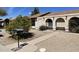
[[55, 20], [1, 23]]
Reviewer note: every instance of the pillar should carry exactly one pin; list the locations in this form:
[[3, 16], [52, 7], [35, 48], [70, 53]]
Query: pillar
[[66, 29], [67, 24], [54, 25]]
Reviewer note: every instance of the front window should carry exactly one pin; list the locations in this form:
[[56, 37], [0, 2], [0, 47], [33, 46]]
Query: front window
[[33, 22]]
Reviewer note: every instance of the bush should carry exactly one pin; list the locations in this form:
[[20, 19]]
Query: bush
[[21, 34], [43, 28]]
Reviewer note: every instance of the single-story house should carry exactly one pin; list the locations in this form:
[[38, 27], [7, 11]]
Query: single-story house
[[56, 20]]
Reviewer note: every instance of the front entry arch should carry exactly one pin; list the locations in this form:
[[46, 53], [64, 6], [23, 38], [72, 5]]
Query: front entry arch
[[49, 23], [73, 24], [60, 24]]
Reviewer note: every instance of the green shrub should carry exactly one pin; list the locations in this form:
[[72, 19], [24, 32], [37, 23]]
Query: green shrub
[[43, 28]]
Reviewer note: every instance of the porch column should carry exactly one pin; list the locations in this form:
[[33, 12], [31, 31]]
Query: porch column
[[66, 29], [54, 24], [67, 24]]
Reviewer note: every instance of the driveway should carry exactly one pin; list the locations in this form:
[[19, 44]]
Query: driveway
[[53, 41], [56, 41], [60, 41]]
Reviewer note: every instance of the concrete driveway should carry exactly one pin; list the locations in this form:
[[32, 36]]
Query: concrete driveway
[[55, 41], [60, 41]]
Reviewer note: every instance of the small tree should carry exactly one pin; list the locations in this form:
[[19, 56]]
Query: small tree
[[19, 22], [11, 26], [3, 12], [26, 23]]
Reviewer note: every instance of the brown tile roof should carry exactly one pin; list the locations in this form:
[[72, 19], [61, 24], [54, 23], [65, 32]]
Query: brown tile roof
[[62, 13], [55, 13], [39, 15], [35, 16]]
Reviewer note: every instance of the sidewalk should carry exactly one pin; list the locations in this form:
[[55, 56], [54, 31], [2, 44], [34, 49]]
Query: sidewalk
[[27, 48], [42, 38], [4, 49]]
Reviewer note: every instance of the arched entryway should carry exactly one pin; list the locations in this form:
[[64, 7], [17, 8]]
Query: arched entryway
[[60, 24], [49, 23], [73, 24]]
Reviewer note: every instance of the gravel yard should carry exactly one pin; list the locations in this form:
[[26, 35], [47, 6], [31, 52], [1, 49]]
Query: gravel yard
[[5, 40]]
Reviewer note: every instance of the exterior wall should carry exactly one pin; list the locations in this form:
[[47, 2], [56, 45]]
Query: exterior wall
[[42, 21], [39, 22]]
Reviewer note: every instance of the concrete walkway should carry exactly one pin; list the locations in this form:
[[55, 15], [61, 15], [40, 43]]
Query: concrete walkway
[[27, 48], [4, 49], [37, 40]]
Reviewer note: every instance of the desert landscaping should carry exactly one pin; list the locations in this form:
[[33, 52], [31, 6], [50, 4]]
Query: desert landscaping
[[39, 32], [52, 41]]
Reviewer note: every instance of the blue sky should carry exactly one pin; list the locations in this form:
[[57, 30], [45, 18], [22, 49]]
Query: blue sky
[[25, 11]]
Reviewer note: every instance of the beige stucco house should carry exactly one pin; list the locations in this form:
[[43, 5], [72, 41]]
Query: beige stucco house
[[55, 20]]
